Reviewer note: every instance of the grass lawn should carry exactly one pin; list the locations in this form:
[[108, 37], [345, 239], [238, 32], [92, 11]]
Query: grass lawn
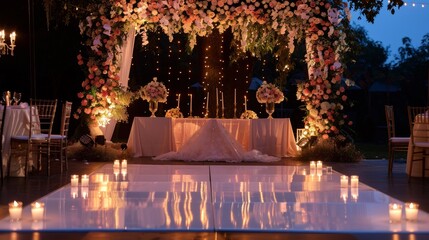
[[377, 151]]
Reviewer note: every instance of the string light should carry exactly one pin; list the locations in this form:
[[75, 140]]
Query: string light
[[415, 4]]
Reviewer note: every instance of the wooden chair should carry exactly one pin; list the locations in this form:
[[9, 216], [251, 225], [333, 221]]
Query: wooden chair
[[2, 120], [419, 127], [38, 140], [394, 143], [59, 141]]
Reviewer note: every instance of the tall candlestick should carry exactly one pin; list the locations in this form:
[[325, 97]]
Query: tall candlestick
[[235, 96], [178, 101], [207, 105], [217, 97], [190, 104], [245, 103], [223, 106]]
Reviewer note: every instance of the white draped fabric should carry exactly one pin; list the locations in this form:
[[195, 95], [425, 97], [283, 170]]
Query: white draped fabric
[[17, 122], [212, 142], [125, 66]]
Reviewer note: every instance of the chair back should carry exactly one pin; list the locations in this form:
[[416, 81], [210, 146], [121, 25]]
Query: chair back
[[42, 114], [390, 120], [2, 121], [65, 118], [418, 118]]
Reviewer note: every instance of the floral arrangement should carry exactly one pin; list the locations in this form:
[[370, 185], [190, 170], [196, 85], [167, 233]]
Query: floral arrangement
[[277, 23], [102, 97], [268, 92], [249, 114], [174, 113], [154, 91]]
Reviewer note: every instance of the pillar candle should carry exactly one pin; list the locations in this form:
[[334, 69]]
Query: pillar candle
[[37, 211], [319, 164], [74, 180], [124, 164], [84, 180], [312, 165], [395, 212], [344, 181], [116, 164], [15, 210], [354, 181], [411, 211]]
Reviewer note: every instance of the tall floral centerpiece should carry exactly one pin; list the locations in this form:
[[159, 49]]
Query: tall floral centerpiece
[[154, 92], [269, 94]]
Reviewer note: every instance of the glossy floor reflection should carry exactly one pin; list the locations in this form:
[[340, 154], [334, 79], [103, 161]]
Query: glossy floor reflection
[[175, 198]]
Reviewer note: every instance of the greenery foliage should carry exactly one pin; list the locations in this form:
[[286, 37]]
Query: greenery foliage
[[330, 151]]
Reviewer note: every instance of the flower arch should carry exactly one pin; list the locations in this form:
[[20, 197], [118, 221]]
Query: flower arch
[[319, 22]]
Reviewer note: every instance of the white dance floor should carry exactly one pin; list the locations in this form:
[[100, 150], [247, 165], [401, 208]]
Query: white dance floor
[[177, 198]]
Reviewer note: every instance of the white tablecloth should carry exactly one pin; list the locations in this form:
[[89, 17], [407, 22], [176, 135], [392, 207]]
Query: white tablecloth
[[155, 136], [17, 123], [417, 166]]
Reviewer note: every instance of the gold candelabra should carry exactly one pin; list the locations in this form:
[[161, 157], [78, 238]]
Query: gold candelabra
[[5, 48]]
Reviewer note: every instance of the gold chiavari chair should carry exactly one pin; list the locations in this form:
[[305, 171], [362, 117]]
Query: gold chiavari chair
[[418, 118], [2, 120], [59, 141], [38, 140], [394, 143]]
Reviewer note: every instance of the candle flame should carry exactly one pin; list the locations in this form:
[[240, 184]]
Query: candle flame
[[395, 206], [411, 205], [15, 204], [37, 205]]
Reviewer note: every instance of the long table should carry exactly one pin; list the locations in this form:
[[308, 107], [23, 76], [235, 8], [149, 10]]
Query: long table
[[155, 136]]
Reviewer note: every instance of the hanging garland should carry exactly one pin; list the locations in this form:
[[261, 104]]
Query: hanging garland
[[257, 26]]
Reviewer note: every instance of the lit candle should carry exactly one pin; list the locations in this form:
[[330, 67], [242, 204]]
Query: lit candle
[[15, 210], [178, 101], [37, 211], [116, 164], [411, 211], [124, 164], [74, 180], [12, 38], [344, 181], [354, 181], [395, 212], [235, 97], [245, 103], [329, 170], [2, 35], [312, 165], [319, 164], [84, 180], [223, 106]]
